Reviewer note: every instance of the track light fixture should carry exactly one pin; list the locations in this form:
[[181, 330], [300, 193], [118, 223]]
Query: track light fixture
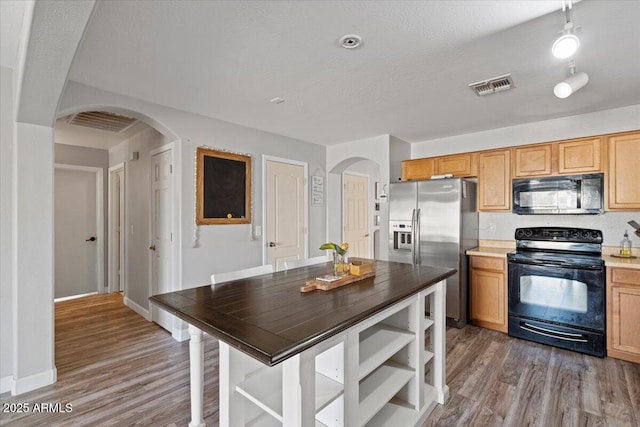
[[567, 44], [573, 83]]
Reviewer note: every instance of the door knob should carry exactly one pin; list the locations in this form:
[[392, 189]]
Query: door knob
[[91, 239], [272, 245], [366, 235], [152, 247]]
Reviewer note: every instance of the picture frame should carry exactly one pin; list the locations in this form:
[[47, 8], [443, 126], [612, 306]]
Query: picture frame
[[223, 187], [317, 191]]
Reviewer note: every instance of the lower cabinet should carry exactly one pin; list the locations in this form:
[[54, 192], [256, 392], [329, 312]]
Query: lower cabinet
[[623, 314], [488, 293]]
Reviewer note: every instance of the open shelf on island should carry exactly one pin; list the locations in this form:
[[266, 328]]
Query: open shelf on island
[[379, 387], [264, 388], [379, 343], [397, 412]]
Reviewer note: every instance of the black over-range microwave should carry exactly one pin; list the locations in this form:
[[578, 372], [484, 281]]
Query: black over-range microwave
[[574, 194]]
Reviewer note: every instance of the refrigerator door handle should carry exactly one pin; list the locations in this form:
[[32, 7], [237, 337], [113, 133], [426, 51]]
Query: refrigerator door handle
[[416, 238], [413, 235]]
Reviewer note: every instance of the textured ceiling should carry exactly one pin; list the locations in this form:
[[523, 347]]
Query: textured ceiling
[[227, 59]]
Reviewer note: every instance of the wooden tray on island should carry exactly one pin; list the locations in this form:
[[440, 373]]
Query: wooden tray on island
[[358, 270]]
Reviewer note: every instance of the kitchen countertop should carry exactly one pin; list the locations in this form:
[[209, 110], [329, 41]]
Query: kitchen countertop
[[268, 318], [611, 261], [493, 248], [489, 251]]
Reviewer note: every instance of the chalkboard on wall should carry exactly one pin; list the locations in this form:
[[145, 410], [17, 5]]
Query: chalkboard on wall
[[223, 189]]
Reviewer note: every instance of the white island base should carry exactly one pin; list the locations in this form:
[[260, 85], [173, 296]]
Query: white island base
[[387, 370]]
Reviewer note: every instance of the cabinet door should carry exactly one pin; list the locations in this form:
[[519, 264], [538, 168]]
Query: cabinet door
[[579, 156], [534, 160], [462, 165], [489, 299], [418, 169], [623, 172], [494, 180], [623, 316]]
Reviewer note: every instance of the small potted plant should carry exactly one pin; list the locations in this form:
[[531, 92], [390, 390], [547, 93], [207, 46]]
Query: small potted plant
[[340, 262]]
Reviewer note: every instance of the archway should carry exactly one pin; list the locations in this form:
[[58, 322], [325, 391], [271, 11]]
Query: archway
[[134, 158]]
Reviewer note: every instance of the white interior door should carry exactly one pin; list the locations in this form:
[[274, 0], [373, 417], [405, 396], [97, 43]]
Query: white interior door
[[356, 214], [76, 233], [161, 233], [286, 233]]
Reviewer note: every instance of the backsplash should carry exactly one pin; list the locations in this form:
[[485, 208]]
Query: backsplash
[[612, 224]]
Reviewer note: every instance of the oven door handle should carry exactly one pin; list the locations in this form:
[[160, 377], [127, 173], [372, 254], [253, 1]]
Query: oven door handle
[[554, 264], [567, 336]]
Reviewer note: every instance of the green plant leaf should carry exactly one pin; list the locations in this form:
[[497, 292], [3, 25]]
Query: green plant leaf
[[329, 246]]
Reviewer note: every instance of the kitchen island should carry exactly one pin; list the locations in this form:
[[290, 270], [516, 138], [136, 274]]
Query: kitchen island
[[363, 354]]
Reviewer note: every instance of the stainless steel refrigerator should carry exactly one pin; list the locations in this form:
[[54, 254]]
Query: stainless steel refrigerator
[[434, 222]]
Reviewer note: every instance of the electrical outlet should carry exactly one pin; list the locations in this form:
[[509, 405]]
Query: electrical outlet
[[492, 227]]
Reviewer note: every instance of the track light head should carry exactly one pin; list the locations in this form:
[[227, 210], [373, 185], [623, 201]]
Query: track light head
[[565, 46], [573, 83]]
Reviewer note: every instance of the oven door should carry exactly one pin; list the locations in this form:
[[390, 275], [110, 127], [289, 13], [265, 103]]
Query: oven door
[[560, 295]]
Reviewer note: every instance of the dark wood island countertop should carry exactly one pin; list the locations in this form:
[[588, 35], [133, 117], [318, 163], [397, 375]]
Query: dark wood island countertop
[[268, 318]]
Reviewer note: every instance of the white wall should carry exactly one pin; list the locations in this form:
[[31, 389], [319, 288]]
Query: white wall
[[26, 228], [215, 248], [7, 113], [33, 276], [612, 224]]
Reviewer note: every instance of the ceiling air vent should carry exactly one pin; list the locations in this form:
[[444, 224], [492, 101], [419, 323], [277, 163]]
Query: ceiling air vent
[[102, 120], [496, 84]]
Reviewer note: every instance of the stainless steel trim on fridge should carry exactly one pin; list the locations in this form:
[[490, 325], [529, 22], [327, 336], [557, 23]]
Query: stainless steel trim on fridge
[[433, 223]]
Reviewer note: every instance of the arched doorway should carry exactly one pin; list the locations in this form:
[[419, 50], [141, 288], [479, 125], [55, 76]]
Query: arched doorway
[[141, 236]]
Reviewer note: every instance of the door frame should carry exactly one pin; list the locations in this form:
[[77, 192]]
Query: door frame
[[305, 201], [369, 210], [99, 172], [111, 229]]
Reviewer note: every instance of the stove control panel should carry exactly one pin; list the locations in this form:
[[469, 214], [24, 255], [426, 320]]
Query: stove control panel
[[559, 234]]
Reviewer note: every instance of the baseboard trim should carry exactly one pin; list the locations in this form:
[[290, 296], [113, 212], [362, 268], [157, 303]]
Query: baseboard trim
[[137, 308], [32, 382], [74, 297], [6, 384]]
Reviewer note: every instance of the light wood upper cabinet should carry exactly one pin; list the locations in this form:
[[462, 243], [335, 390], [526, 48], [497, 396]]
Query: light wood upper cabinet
[[623, 316], [494, 180], [459, 165], [418, 169], [488, 293], [623, 172], [532, 160], [462, 165], [580, 156]]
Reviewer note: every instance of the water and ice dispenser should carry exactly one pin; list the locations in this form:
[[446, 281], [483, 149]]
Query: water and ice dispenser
[[402, 235]]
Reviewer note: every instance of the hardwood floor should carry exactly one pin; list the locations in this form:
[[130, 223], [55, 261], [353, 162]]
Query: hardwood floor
[[115, 368]]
